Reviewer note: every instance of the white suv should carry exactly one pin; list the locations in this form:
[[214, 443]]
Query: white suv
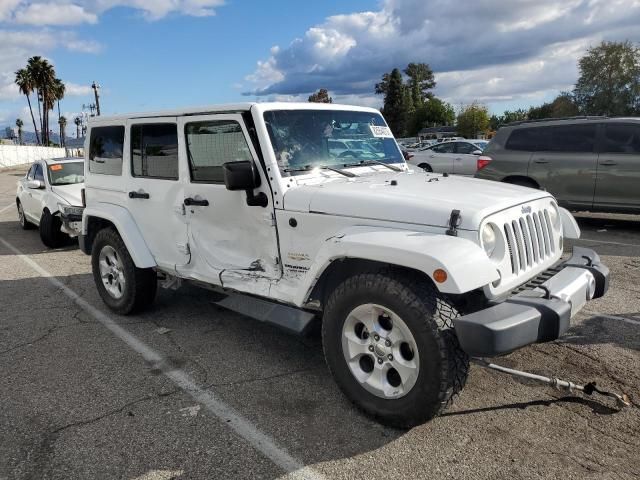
[[50, 191], [410, 273]]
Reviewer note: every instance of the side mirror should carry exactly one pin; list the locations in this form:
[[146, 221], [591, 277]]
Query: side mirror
[[243, 176], [35, 184], [477, 152]]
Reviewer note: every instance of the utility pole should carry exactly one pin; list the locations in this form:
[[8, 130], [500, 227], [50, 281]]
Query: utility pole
[[96, 87]]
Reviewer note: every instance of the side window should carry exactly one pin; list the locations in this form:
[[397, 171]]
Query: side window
[[31, 172], [568, 138], [154, 150], [523, 139], [38, 173], [212, 143], [105, 150], [443, 148], [462, 147], [621, 138]]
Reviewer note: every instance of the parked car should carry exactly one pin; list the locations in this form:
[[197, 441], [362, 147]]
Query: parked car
[[50, 189], [409, 274], [586, 163], [461, 157]]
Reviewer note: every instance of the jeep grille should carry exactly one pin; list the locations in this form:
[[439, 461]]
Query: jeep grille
[[530, 240]]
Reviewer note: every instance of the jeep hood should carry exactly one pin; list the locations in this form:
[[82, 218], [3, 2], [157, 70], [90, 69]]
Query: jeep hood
[[416, 197], [69, 193]]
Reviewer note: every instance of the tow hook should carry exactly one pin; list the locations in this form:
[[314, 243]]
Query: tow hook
[[562, 385]]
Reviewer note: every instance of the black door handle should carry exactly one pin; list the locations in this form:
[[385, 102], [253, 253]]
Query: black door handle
[[541, 160], [192, 202], [138, 195], [608, 162]]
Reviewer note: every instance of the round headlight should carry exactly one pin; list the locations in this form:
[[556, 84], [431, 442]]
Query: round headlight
[[489, 239], [554, 216]]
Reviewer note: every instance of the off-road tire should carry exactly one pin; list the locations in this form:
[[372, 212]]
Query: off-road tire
[[50, 232], [22, 219], [140, 283], [444, 365]]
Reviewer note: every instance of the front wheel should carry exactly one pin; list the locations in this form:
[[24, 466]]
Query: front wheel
[[50, 232], [389, 342], [124, 288]]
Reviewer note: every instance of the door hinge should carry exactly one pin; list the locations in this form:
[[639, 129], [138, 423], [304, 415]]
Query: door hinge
[[180, 209], [184, 248]]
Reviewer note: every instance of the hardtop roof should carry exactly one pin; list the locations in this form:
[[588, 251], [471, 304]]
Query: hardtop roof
[[229, 108]]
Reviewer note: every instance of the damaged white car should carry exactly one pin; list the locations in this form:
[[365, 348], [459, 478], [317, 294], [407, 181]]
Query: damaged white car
[[409, 273], [50, 194]]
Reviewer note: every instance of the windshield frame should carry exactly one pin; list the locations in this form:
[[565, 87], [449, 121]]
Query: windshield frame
[[291, 131], [50, 178]]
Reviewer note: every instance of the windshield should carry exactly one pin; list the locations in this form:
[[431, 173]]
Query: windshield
[[66, 173], [307, 139]]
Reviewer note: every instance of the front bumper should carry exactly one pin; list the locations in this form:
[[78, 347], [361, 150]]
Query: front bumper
[[541, 314], [71, 223]]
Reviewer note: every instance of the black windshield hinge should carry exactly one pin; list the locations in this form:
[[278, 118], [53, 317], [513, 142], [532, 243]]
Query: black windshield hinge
[[454, 221]]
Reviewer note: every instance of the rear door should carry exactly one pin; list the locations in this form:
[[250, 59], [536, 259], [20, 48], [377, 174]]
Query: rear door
[[440, 157], [156, 190], [565, 163], [618, 178], [465, 163]]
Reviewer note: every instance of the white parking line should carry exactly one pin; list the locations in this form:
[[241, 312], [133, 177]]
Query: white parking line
[[225, 413], [4, 209]]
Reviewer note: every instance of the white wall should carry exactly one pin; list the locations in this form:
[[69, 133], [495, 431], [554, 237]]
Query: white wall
[[11, 155]]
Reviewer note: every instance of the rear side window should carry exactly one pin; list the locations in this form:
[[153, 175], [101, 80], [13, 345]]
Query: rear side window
[[105, 150], [465, 148], [444, 148], [210, 144], [621, 138], [154, 151], [524, 139], [568, 138]]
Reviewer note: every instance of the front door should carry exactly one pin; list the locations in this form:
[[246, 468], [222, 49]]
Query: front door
[[230, 241], [617, 185], [566, 162], [156, 189]]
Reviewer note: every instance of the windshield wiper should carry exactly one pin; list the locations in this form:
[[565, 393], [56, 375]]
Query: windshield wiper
[[373, 162], [322, 167]]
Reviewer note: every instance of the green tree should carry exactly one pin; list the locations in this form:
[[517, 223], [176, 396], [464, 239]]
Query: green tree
[[26, 85], [472, 120], [421, 82], [562, 106], [62, 121], [19, 124], [78, 122], [44, 79], [321, 96], [395, 108], [609, 82]]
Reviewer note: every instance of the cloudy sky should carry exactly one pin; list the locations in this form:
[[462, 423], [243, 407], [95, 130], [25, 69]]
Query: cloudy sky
[[151, 54]]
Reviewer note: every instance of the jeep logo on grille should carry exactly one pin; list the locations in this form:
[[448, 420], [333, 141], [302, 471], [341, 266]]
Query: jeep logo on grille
[[526, 210]]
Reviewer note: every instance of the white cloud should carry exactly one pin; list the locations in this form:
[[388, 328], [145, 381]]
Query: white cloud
[[489, 50], [75, 90], [53, 14]]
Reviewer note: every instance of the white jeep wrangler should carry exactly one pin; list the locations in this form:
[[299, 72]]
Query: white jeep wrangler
[[410, 273]]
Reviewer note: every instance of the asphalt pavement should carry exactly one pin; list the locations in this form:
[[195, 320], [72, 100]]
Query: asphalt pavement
[[189, 390]]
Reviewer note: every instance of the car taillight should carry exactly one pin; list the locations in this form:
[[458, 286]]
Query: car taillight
[[483, 162], [84, 199]]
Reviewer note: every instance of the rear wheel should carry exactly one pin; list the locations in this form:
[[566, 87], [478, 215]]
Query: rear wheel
[[124, 288], [50, 232], [24, 223], [389, 342], [426, 167]]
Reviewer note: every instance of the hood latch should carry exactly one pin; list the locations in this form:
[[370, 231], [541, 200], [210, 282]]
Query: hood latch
[[454, 222]]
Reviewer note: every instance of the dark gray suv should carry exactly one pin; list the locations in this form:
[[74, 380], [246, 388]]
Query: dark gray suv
[[588, 163]]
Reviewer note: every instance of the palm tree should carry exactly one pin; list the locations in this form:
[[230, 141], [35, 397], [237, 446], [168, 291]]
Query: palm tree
[[58, 91], [19, 124], [62, 121], [43, 75], [26, 85], [78, 122]]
